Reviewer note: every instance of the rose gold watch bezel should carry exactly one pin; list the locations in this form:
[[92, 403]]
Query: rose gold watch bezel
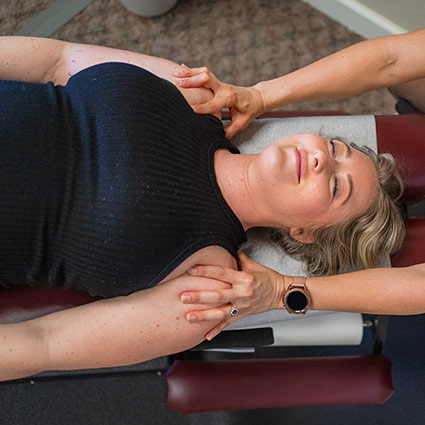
[[292, 288]]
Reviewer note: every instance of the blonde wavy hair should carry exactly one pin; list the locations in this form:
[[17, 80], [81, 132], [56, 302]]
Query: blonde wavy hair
[[358, 241]]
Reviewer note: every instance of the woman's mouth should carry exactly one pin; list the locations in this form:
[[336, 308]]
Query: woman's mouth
[[300, 163]]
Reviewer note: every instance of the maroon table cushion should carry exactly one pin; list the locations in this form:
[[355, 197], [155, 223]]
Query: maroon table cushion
[[404, 137], [413, 250], [199, 386], [21, 303]]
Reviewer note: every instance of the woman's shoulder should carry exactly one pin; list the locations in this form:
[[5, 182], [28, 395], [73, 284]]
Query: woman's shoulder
[[124, 88], [113, 70], [214, 254]]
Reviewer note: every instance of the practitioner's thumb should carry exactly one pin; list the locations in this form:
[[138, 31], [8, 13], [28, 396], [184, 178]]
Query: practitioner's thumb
[[246, 263], [206, 108]]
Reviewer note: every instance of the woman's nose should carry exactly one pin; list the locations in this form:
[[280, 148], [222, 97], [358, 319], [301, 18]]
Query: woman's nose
[[321, 161]]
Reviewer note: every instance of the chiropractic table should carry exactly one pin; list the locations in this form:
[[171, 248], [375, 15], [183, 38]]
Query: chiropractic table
[[203, 385]]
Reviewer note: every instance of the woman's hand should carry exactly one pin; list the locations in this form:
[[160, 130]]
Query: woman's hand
[[245, 103], [255, 289]]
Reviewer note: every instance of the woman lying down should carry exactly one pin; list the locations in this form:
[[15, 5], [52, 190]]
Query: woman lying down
[[112, 185]]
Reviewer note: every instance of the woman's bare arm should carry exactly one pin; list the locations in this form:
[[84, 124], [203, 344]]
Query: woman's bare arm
[[256, 289], [112, 332], [41, 60], [369, 65], [398, 290], [29, 59]]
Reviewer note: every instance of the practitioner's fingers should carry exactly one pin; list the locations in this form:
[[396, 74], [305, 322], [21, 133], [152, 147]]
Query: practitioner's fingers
[[197, 77], [214, 106], [217, 329], [238, 122], [187, 71], [253, 290], [243, 292], [225, 274], [218, 313], [207, 297], [192, 81], [223, 313]]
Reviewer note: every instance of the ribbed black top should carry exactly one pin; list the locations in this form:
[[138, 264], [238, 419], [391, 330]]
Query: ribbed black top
[[106, 184]]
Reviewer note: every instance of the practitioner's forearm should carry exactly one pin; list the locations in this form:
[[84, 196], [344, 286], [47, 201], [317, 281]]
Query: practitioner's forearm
[[369, 65], [23, 351], [398, 291], [256, 288]]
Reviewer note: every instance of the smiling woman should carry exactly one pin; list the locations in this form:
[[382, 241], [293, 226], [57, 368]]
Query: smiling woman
[[128, 188], [324, 181], [331, 204], [371, 187]]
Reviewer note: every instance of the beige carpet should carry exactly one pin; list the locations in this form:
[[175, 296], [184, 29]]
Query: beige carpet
[[242, 41]]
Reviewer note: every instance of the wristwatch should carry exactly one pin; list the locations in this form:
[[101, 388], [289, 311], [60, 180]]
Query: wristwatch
[[296, 297]]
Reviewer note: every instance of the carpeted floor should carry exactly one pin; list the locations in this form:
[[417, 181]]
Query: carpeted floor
[[242, 41]]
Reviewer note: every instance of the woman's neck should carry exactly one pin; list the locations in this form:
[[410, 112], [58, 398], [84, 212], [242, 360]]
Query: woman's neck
[[233, 179]]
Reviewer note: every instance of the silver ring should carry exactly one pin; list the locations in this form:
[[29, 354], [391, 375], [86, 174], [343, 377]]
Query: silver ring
[[234, 311]]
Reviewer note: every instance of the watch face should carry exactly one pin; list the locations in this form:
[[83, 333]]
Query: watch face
[[296, 300]]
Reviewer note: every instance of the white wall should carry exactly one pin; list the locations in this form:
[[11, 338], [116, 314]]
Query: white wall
[[374, 18]]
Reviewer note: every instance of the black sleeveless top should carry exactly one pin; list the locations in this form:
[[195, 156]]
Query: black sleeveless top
[[106, 184]]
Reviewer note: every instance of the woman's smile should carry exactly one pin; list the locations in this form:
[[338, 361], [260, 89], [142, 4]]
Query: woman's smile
[[301, 162], [297, 164]]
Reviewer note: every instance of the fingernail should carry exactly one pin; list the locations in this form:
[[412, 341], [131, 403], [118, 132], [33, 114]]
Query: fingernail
[[192, 318], [192, 270], [177, 73], [209, 337], [185, 298]]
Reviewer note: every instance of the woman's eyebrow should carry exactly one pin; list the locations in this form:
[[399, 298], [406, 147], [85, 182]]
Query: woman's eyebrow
[[349, 151], [349, 178]]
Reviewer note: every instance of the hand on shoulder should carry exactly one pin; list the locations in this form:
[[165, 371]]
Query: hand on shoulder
[[244, 103], [254, 289]]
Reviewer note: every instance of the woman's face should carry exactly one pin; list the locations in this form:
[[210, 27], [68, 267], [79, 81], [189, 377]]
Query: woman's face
[[307, 180]]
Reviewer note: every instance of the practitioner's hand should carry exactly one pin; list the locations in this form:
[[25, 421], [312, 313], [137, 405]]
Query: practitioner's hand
[[245, 103], [254, 290]]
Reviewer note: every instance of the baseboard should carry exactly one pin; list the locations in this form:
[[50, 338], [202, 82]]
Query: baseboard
[[52, 18], [357, 17]]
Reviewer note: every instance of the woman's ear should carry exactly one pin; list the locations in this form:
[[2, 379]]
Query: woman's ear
[[301, 235]]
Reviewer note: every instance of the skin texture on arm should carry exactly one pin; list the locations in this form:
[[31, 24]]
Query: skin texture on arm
[[369, 65], [255, 289], [111, 332], [41, 60], [399, 291], [29, 59]]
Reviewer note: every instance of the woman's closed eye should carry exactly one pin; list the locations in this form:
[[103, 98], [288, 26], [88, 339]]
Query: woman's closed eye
[[336, 182], [336, 187], [333, 148]]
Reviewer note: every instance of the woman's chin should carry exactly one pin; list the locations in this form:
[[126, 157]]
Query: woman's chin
[[274, 159]]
